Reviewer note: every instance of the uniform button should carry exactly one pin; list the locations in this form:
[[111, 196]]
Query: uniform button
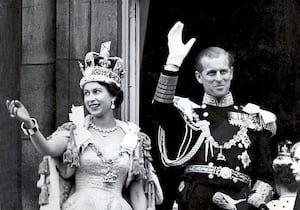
[[210, 176], [203, 106], [205, 114], [181, 186], [235, 107]]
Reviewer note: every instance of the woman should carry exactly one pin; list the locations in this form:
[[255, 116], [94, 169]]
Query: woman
[[104, 154]]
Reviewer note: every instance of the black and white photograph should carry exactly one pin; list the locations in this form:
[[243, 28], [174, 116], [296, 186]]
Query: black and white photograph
[[150, 105]]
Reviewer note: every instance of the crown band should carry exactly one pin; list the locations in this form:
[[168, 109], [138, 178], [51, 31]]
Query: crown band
[[100, 74], [99, 67]]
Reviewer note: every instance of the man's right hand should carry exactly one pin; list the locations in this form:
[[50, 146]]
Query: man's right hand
[[177, 50]]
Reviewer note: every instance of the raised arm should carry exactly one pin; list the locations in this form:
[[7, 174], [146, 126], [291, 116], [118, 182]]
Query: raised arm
[[166, 87], [30, 127], [167, 82]]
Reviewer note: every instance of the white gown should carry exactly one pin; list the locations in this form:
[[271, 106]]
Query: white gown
[[93, 191]]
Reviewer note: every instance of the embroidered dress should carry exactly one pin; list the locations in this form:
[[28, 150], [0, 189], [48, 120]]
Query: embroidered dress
[[99, 181]]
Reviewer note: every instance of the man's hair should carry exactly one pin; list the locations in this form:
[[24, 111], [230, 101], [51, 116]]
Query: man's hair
[[212, 52]]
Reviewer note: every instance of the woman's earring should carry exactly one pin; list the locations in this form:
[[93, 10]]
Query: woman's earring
[[113, 106]]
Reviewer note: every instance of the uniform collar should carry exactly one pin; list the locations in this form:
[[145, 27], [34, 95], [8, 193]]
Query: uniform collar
[[227, 100]]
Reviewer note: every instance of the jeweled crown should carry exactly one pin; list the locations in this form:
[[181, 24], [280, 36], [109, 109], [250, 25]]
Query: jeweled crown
[[284, 148], [100, 67], [284, 154]]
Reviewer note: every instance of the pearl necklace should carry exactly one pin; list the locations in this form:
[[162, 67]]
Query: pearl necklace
[[104, 132]]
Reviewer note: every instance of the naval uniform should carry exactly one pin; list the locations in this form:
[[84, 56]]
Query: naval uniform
[[211, 147]]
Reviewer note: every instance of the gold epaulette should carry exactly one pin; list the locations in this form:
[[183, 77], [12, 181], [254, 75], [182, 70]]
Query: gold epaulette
[[165, 89], [267, 119], [186, 108]]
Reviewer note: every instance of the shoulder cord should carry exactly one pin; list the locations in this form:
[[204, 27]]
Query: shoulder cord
[[180, 154], [183, 158]]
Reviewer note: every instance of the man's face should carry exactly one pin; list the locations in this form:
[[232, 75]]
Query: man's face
[[296, 164], [216, 76]]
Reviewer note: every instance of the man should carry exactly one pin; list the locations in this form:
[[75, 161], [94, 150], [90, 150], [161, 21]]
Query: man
[[213, 152]]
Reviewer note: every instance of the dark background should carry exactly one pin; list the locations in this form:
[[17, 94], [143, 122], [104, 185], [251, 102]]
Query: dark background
[[263, 36]]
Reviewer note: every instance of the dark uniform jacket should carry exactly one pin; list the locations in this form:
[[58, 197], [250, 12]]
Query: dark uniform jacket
[[211, 147]]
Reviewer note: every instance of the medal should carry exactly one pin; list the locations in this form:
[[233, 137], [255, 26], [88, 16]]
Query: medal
[[220, 155]]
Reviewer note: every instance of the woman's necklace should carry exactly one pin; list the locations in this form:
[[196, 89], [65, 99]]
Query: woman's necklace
[[111, 173], [104, 132]]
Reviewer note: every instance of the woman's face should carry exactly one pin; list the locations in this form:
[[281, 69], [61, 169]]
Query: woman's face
[[97, 99]]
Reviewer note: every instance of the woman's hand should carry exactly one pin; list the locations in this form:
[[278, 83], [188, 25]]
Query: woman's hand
[[17, 110]]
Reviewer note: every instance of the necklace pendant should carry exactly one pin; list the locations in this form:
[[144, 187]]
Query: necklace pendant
[[110, 177], [221, 156], [105, 135]]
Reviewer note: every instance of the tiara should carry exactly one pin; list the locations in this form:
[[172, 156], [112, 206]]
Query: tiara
[[100, 67]]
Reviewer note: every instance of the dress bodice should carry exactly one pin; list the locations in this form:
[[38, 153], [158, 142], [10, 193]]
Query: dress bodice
[[107, 175], [99, 181]]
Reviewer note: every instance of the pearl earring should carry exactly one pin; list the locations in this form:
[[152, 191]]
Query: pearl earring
[[113, 106]]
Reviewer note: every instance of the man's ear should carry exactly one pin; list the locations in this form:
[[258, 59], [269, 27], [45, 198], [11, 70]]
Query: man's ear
[[198, 76], [232, 71]]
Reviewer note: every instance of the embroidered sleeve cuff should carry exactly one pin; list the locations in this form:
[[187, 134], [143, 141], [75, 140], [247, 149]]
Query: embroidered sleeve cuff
[[166, 88]]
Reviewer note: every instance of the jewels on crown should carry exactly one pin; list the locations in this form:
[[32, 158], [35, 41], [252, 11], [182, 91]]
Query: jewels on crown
[[284, 154], [99, 67], [284, 148]]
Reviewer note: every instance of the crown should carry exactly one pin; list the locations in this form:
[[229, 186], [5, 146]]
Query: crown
[[284, 148], [100, 67], [284, 153]]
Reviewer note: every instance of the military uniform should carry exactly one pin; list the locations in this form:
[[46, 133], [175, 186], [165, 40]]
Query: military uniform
[[211, 147]]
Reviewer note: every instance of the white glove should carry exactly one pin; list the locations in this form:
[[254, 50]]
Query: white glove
[[177, 50], [256, 199], [224, 201], [263, 193]]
